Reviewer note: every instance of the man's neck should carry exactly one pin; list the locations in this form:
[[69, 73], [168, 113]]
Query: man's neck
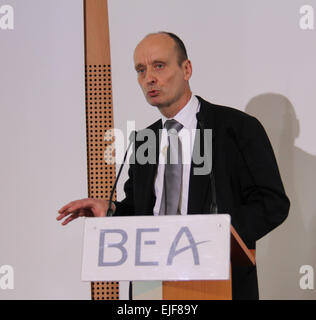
[[171, 110]]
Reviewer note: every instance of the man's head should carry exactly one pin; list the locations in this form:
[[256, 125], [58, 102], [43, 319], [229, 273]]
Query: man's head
[[179, 46], [164, 71]]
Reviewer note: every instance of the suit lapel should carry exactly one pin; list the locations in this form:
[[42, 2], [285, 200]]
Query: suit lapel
[[199, 187], [148, 172]]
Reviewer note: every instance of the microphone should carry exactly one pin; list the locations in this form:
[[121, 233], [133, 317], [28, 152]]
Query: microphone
[[213, 208], [110, 212]]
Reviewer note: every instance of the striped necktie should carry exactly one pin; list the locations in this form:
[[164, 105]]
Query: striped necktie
[[172, 187]]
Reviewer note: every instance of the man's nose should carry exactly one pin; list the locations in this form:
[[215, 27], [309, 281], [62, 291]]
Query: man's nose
[[150, 78]]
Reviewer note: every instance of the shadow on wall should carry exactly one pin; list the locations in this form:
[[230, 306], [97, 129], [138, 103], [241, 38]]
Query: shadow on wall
[[293, 244]]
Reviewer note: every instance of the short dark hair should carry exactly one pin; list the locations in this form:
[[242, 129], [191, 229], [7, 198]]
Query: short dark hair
[[180, 47]]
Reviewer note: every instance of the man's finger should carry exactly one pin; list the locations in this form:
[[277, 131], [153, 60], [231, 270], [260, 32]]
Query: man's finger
[[77, 207], [66, 213], [77, 204], [72, 208], [65, 207], [69, 219], [74, 215]]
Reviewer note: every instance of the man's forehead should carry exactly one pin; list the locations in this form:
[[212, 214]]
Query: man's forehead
[[157, 46]]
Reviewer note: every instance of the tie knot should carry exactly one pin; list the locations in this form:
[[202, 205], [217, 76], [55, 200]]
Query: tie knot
[[173, 124]]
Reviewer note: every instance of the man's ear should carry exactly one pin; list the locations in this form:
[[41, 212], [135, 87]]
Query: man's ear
[[187, 69]]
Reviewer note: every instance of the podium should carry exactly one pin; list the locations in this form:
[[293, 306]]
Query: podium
[[192, 255], [240, 255]]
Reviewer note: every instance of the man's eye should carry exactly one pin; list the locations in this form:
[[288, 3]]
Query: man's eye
[[159, 66], [140, 71]]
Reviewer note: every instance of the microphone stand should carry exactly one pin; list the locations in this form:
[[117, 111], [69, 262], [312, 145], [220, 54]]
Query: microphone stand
[[110, 212]]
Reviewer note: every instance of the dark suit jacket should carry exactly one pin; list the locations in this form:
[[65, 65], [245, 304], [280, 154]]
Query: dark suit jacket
[[247, 182]]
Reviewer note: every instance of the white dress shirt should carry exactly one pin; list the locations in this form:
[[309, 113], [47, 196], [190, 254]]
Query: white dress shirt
[[187, 117]]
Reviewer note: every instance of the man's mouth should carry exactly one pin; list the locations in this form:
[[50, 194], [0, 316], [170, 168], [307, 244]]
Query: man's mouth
[[153, 93]]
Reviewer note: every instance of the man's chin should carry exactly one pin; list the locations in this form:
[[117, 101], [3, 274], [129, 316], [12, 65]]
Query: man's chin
[[154, 101]]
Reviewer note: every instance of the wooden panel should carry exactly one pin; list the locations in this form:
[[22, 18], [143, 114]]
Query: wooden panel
[[104, 291], [97, 35], [197, 290], [240, 254], [99, 115]]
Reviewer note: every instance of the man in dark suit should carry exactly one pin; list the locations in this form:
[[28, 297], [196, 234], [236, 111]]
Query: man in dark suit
[[244, 182]]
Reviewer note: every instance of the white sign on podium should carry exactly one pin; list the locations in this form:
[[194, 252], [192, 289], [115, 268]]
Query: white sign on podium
[[191, 247]]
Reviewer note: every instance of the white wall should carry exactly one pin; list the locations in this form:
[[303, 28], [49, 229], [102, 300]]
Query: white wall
[[43, 148], [251, 55]]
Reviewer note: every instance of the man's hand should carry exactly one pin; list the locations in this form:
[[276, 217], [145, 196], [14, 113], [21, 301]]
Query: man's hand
[[84, 208]]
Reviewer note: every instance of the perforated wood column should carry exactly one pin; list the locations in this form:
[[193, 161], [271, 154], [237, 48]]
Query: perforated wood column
[[99, 115]]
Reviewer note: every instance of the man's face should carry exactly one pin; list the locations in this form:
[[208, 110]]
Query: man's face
[[162, 80]]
